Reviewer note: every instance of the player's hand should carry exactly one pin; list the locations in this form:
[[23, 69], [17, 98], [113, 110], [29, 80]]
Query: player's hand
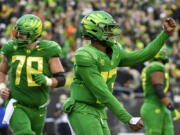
[[175, 114], [4, 92], [169, 25], [39, 78], [136, 123]]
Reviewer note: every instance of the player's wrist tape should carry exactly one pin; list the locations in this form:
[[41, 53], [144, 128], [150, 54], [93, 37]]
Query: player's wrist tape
[[170, 106], [49, 81], [134, 120], [2, 85]]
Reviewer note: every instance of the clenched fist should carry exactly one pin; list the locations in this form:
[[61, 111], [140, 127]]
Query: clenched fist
[[136, 123], [4, 92], [169, 25]]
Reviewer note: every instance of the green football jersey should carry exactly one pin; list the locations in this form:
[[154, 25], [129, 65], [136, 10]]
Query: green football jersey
[[23, 63], [105, 66], [149, 92]]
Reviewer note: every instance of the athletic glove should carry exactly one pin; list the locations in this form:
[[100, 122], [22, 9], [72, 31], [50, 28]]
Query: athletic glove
[[175, 114], [41, 79]]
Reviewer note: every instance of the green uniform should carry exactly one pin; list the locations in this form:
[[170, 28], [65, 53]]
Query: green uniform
[[157, 118], [31, 98], [91, 90]]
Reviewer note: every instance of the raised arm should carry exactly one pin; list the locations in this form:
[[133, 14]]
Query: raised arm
[[140, 56]]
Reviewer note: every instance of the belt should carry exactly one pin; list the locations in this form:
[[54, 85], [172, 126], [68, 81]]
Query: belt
[[100, 106], [34, 106]]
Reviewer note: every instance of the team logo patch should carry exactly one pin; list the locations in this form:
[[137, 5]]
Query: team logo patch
[[28, 51], [102, 61], [39, 49], [15, 47], [157, 110], [41, 115]]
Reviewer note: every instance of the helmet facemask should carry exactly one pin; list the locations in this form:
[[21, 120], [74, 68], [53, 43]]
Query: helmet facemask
[[110, 32], [23, 39]]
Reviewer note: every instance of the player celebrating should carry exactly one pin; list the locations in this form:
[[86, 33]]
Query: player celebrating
[[157, 106], [95, 72], [32, 67]]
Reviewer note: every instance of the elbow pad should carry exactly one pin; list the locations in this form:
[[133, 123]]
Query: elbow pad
[[60, 77], [159, 90]]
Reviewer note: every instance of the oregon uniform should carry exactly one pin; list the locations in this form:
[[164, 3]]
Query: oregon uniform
[[92, 95], [32, 98], [95, 73], [156, 116]]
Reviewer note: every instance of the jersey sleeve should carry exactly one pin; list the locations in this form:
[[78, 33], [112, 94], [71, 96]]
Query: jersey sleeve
[[83, 58], [55, 49], [88, 71], [140, 56]]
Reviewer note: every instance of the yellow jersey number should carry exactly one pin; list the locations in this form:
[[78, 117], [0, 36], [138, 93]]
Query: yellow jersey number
[[143, 76], [109, 74], [29, 69]]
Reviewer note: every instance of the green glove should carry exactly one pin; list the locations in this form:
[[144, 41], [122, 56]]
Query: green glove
[[175, 114], [41, 79]]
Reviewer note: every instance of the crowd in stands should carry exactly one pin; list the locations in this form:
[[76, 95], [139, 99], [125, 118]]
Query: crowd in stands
[[140, 22]]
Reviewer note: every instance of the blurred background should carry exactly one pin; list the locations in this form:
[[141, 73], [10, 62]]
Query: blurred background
[[140, 21]]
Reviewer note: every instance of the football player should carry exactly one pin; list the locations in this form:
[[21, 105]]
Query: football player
[[32, 67], [95, 73], [157, 111]]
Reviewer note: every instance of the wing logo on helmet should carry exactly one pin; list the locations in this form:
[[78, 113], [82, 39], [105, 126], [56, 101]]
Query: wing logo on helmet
[[29, 25], [99, 25]]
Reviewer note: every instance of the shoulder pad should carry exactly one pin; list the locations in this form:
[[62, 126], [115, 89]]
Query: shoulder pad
[[119, 45], [53, 49], [8, 48], [156, 66], [83, 58]]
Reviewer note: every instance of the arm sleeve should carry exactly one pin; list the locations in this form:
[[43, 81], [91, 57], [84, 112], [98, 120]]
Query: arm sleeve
[[94, 82], [140, 56]]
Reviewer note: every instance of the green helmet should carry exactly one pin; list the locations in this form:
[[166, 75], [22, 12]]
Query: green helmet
[[29, 25], [99, 25], [162, 55]]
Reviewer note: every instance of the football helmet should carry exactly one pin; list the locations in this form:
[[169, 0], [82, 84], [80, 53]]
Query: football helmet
[[28, 29], [162, 55], [99, 25]]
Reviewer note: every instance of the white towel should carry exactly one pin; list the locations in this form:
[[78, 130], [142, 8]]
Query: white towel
[[9, 111]]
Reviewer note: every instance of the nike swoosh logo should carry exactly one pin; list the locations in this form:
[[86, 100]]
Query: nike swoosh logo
[[41, 115]]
